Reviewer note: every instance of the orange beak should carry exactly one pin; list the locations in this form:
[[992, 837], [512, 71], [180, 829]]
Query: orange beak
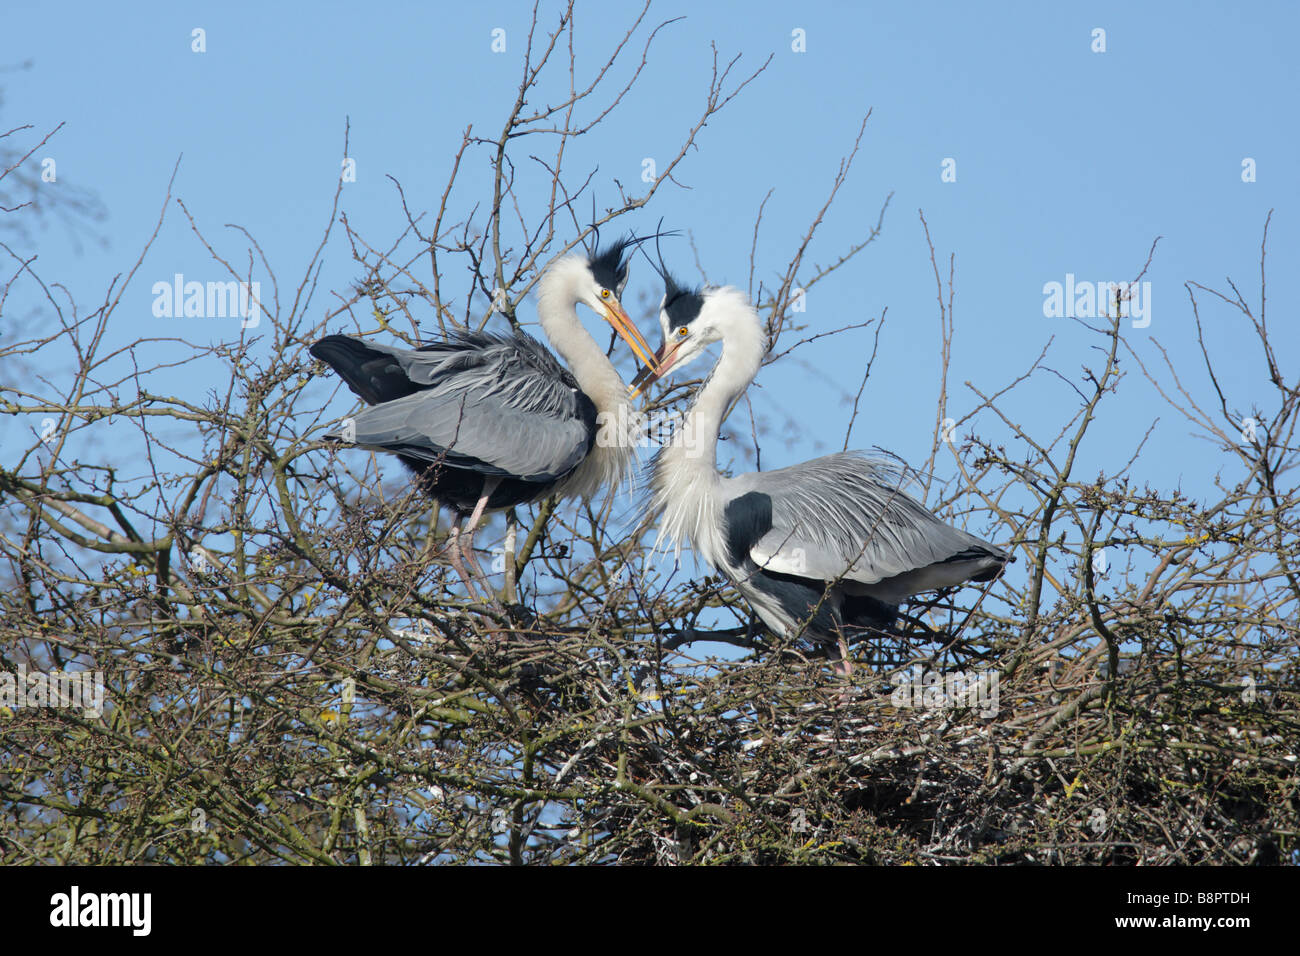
[[664, 358], [617, 317]]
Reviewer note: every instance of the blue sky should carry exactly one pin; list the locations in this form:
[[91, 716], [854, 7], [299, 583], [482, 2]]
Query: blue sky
[[1067, 161]]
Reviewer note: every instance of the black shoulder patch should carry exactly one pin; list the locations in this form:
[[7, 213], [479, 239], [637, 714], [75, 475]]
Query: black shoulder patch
[[589, 416], [748, 518]]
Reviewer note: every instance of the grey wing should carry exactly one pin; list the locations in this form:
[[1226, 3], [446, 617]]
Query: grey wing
[[500, 405], [842, 516]]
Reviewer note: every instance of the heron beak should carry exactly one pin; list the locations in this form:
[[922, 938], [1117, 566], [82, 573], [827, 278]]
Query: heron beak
[[651, 373], [616, 316]]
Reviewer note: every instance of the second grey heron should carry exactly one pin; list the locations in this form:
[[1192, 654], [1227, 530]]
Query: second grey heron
[[829, 547], [491, 421]]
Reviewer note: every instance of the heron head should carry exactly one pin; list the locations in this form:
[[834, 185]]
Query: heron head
[[600, 286], [692, 319]]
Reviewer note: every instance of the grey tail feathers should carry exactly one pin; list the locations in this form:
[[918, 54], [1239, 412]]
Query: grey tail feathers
[[372, 374]]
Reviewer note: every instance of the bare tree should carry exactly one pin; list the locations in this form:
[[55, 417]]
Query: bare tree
[[292, 674]]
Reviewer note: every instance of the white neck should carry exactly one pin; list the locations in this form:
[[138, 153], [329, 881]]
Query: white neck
[[558, 295], [686, 480]]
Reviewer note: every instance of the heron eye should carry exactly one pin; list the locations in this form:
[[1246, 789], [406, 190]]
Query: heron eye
[[683, 332], [604, 293]]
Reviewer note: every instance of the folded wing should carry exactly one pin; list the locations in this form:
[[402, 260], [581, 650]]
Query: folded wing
[[494, 404], [847, 517]]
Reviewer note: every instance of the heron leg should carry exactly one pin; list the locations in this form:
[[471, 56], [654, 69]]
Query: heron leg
[[843, 662], [844, 665], [471, 525], [456, 555]]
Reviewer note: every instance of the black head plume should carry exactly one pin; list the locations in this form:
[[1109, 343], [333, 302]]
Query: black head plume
[[681, 303], [595, 231], [609, 265]]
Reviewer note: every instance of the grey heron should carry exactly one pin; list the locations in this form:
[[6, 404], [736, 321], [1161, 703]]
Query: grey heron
[[831, 546], [489, 421]]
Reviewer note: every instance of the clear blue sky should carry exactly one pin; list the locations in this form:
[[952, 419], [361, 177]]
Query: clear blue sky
[[1067, 161]]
